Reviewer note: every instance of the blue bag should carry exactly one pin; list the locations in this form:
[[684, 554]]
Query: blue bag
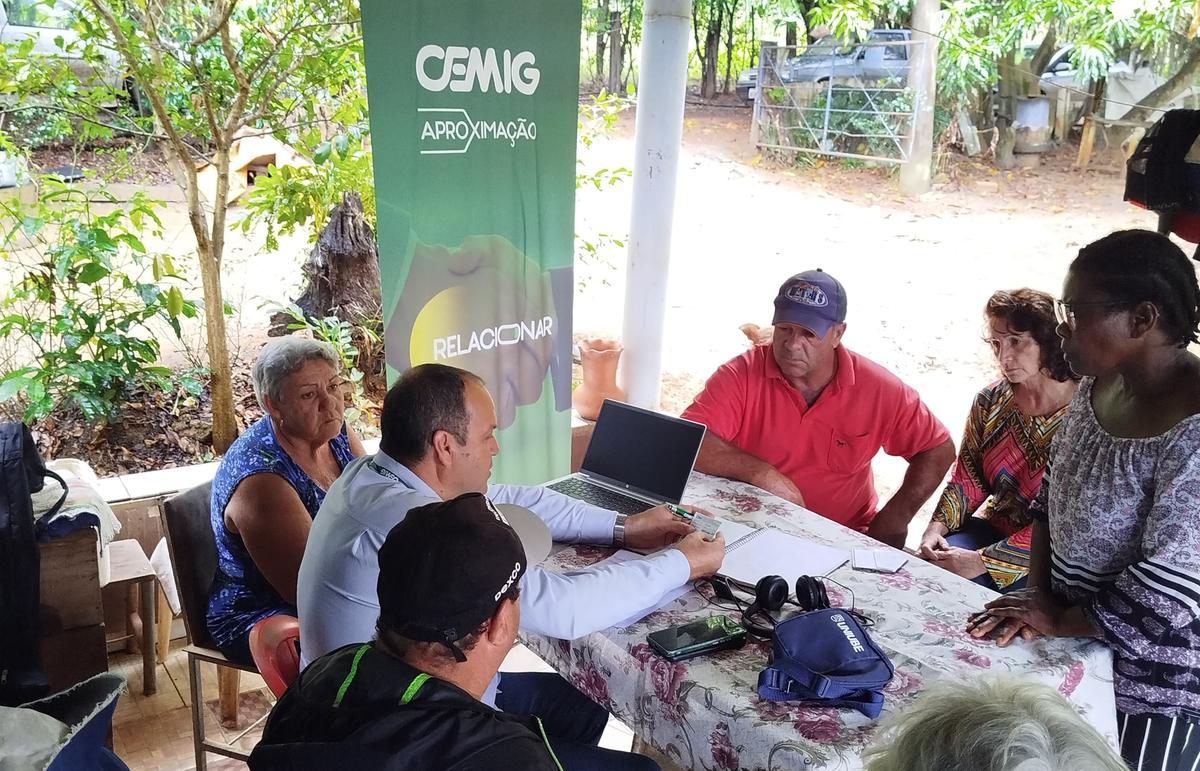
[[826, 656]]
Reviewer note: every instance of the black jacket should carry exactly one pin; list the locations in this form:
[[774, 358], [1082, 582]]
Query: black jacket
[[358, 707]]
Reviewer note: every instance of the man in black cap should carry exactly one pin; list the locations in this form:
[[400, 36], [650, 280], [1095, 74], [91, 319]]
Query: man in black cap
[[449, 578]]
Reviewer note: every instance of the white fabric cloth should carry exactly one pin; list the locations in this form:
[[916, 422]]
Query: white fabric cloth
[[29, 739], [82, 497]]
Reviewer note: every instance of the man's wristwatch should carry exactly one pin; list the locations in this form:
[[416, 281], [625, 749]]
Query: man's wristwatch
[[619, 530]]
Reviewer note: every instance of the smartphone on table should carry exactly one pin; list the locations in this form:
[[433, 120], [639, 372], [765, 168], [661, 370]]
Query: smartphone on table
[[706, 635]]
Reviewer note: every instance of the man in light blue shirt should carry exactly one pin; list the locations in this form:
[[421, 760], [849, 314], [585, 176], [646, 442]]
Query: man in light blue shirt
[[438, 442]]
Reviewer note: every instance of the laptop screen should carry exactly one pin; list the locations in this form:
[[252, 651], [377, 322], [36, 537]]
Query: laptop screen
[[643, 451]]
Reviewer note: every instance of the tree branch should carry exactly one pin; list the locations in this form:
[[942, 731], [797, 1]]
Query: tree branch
[[124, 129], [217, 23]]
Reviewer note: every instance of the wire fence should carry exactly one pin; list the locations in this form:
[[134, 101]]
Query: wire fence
[[848, 101]]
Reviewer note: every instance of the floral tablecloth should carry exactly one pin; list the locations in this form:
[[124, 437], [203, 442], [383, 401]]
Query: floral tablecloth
[[704, 713]]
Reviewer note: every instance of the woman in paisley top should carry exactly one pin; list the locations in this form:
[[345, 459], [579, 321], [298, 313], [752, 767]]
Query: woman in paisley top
[[1005, 447], [271, 483], [1116, 544]]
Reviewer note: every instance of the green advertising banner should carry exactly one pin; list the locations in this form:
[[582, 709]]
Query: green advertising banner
[[473, 121]]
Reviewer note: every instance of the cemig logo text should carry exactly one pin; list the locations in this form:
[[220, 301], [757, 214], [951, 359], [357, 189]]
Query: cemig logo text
[[467, 69]]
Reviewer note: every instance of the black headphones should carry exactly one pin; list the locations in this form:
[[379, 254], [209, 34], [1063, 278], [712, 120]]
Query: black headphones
[[771, 594]]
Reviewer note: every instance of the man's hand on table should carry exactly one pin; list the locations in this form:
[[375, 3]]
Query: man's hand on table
[[889, 530], [775, 482], [657, 527], [704, 556]]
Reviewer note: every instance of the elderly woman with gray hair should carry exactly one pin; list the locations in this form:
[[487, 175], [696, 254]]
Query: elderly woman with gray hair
[[271, 483], [996, 724]]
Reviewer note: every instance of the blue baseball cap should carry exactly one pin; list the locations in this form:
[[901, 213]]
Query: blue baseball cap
[[812, 299]]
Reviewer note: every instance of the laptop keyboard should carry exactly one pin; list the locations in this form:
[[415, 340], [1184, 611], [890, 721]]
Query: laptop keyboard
[[599, 496]]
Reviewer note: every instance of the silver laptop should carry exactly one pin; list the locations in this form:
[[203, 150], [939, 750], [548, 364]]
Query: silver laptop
[[636, 459]]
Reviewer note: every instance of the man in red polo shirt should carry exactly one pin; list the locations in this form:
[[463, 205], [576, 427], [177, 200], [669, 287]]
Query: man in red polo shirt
[[803, 417]]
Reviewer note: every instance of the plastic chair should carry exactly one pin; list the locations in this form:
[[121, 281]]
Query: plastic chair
[[194, 557], [275, 646]]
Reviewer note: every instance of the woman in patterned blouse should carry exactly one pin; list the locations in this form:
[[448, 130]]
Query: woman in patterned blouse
[[271, 483], [1116, 544], [1004, 447]]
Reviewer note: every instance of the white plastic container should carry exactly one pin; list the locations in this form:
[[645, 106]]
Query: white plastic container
[[8, 170]]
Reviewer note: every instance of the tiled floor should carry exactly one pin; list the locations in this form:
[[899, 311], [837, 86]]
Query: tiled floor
[[154, 733]]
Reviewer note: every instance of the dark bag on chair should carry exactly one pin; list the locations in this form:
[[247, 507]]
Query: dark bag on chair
[[22, 473]]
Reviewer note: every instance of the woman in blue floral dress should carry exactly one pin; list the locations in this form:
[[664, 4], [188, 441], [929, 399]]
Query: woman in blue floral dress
[[271, 483]]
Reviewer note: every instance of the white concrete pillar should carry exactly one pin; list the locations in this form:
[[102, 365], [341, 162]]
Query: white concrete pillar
[[662, 86], [916, 176]]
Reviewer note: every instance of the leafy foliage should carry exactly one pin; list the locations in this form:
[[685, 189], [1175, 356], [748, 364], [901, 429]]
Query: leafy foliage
[[303, 196], [976, 34], [597, 118], [88, 302]]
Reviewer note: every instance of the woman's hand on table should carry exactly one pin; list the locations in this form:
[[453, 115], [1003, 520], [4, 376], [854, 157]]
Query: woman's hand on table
[[1028, 613], [967, 563], [934, 546]]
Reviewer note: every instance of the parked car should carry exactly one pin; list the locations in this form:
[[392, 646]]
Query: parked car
[[827, 59], [48, 24]]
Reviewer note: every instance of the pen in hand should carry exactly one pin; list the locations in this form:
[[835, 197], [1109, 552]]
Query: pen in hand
[[680, 511]]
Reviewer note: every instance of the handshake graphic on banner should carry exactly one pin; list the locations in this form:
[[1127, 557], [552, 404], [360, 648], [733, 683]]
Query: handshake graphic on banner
[[486, 307]]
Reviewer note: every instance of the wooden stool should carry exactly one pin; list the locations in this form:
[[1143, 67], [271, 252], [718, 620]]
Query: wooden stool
[[129, 565]]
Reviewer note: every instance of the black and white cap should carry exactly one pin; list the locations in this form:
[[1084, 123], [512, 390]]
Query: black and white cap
[[446, 567]]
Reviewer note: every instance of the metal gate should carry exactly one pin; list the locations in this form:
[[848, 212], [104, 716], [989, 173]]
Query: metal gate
[[848, 101]]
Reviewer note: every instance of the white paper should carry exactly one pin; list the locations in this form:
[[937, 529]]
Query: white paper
[[768, 551], [878, 560], [734, 531]]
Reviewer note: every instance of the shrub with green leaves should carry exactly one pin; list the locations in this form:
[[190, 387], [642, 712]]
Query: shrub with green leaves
[[291, 197], [84, 295]]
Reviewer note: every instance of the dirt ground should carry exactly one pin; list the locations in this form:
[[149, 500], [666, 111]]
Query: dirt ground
[[917, 271]]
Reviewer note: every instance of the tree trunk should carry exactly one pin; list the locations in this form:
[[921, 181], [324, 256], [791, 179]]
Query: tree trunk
[[614, 52], [626, 27], [1006, 136], [225, 428], [790, 36], [729, 44], [342, 271], [916, 176], [1045, 52], [601, 39], [209, 251], [712, 49], [1173, 87]]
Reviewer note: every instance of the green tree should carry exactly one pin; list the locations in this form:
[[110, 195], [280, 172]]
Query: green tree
[[982, 41], [209, 73]]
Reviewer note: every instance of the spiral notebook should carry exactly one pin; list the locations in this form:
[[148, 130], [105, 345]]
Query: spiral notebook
[[751, 553]]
